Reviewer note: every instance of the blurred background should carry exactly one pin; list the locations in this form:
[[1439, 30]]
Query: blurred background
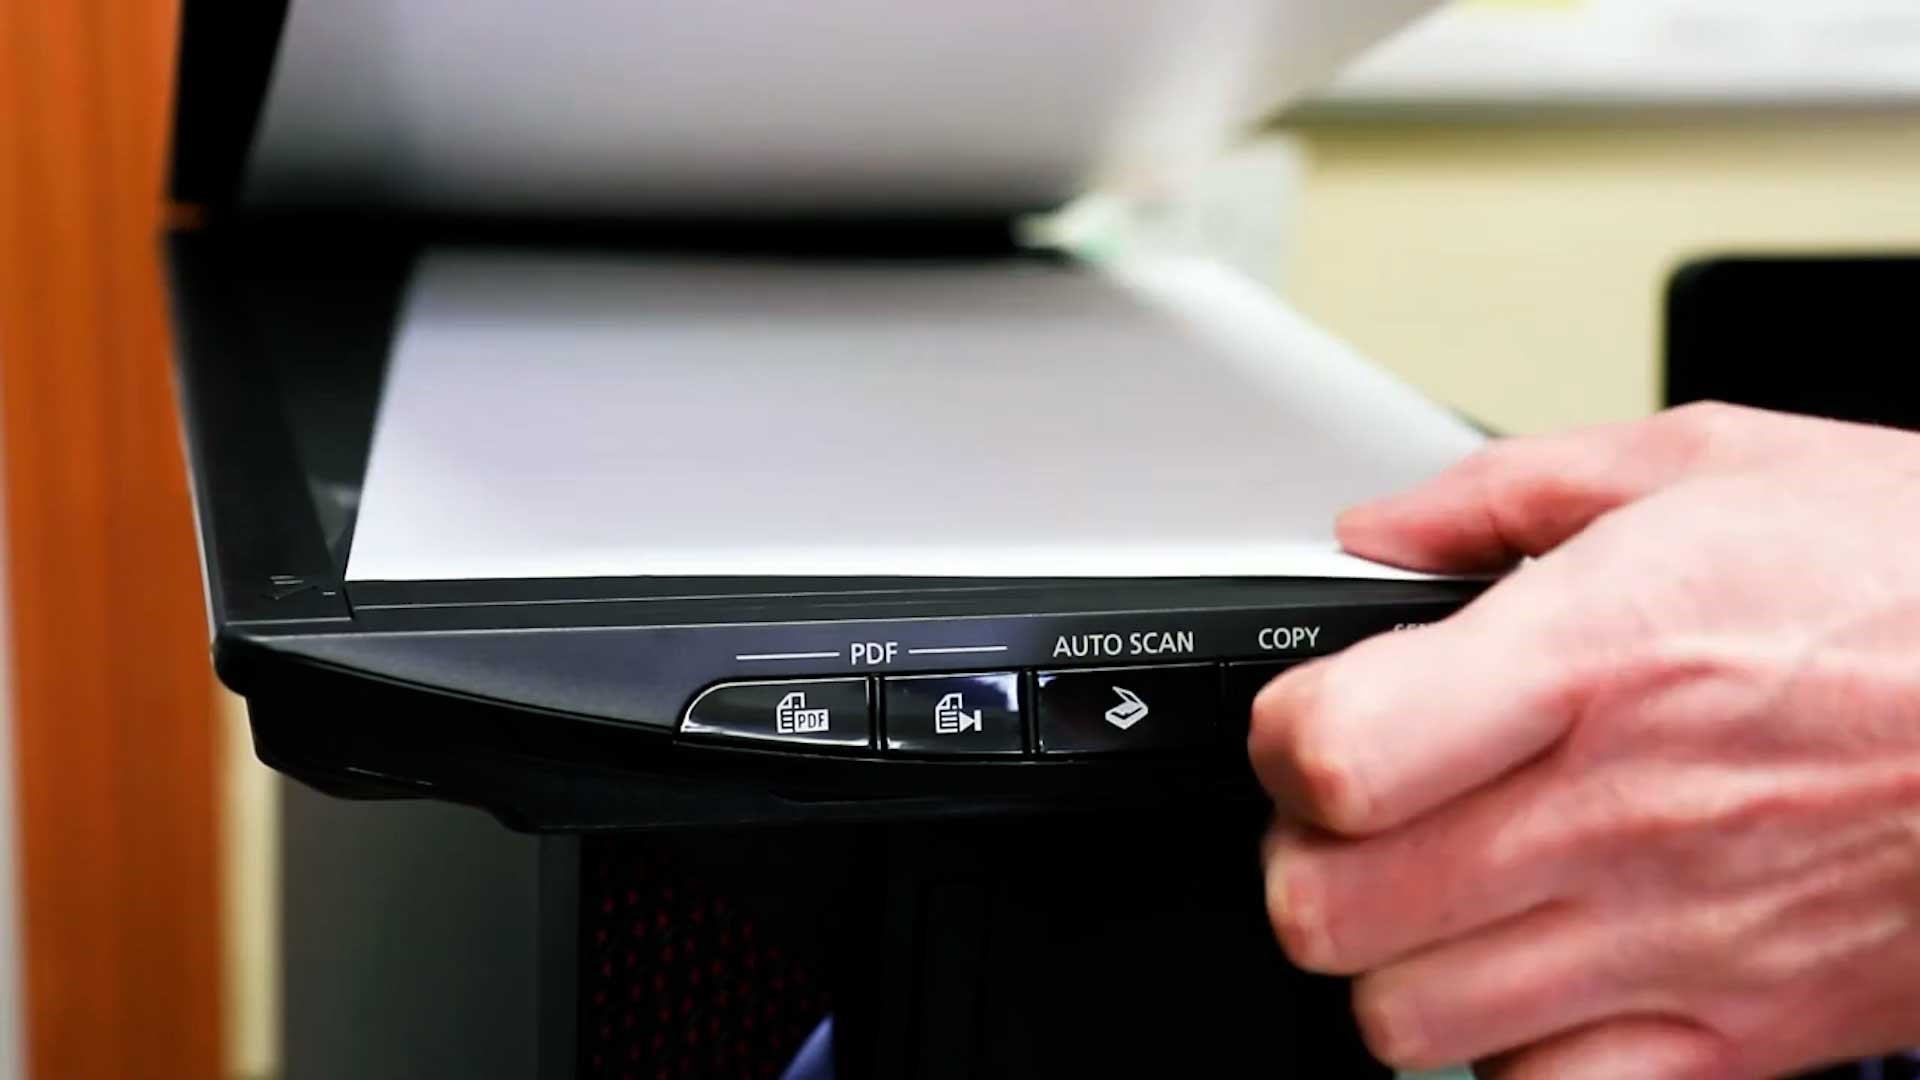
[[1490, 205]]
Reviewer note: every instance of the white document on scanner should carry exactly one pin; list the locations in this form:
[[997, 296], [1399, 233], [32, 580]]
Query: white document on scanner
[[593, 416]]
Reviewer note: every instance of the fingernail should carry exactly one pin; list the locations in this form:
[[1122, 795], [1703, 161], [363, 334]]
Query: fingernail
[[1397, 1037], [1350, 527], [1296, 914], [1361, 510]]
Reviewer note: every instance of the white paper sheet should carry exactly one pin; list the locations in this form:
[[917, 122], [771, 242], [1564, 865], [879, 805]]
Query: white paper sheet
[[618, 107], [576, 416]]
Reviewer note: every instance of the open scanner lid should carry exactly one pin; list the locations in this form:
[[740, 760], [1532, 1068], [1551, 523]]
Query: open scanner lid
[[1002, 415], [607, 109]]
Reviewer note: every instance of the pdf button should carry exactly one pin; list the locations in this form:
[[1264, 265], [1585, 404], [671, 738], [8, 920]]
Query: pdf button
[[823, 713], [953, 715]]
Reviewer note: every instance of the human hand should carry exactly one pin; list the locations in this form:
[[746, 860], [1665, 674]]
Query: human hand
[[1648, 808]]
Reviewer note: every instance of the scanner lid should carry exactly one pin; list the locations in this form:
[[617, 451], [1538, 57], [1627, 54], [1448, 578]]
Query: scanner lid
[[607, 109]]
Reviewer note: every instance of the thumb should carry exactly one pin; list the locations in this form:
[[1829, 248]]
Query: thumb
[[1526, 496]]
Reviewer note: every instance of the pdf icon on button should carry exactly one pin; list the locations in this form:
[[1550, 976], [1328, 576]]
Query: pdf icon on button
[[792, 717], [951, 717], [813, 713]]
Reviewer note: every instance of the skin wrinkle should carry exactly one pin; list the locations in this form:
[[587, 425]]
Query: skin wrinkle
[[1711, 665], [1743, 802], [1783, 958], [1496, 520], [1630, 701], [1819, 945], [1734, 928], [1595, 976], [1855, 657], [1523, 852], [1737, 932], [1565, 826]]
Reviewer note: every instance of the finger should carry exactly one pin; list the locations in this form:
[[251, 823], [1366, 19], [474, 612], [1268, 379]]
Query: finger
[[1526, 496], [1340, 907], [1647, 1048], [1551, 970], [1392, 727]]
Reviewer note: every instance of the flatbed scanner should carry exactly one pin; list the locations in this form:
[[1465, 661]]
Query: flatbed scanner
[[656, 425], [650, 415]]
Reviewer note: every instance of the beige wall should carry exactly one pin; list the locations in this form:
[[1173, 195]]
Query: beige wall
[[1515, 269], [250, 899]]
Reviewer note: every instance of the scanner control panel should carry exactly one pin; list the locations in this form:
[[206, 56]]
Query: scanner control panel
[[991, 715]]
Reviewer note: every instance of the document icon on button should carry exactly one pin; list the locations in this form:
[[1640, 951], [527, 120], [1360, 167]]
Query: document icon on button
[[792, 717], [1129, 712], [948, 719]]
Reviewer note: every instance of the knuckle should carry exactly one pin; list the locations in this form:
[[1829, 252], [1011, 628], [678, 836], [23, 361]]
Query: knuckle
[[1489, 460], [1330, 788], [1531, 489], [1282, 707], [1707, 416], [1296, 744], [1493, 468], [1274, 709], [1695, 430], [1531, 513], [1518, 491]]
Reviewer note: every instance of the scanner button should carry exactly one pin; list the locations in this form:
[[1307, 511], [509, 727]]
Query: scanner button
[[953, 714], [1113, 710], [807, 712]]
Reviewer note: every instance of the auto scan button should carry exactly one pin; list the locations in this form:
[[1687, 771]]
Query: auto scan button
[[812, 712], [1114, 710]]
